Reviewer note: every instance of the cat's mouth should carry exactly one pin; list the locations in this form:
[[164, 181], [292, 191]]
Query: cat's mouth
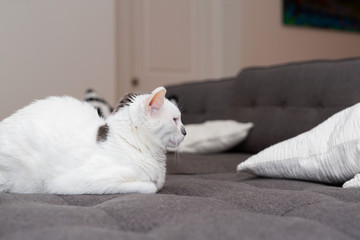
[[173, 143]]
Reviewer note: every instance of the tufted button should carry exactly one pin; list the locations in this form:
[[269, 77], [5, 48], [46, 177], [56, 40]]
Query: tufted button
[[253, 103], [283, 103], [320, 105]]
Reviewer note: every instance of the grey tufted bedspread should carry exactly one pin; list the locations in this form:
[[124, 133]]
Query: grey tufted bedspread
[[215, 203]]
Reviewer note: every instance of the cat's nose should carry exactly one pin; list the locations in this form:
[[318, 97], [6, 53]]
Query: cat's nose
[[183, 131]]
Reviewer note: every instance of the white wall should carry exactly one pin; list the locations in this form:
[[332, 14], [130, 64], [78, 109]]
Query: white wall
[[55, 48], [232, 37], [265, 40]]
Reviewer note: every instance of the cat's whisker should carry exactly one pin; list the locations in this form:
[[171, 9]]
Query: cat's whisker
[[177, 153], [175, 156], [178, 157]]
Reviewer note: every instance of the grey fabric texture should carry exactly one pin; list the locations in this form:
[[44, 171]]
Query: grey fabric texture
[[282, 101], [204, 163], [212, 205]]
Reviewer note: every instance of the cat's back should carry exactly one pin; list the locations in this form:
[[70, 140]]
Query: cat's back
[[54, 121]]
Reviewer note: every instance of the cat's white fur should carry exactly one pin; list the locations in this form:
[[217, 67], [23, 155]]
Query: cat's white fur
[[51, 146]]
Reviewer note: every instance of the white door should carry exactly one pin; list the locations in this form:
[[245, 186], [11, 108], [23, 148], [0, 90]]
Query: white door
[[163, 42]]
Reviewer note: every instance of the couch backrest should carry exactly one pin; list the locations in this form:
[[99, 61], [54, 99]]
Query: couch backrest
[[282, 101]]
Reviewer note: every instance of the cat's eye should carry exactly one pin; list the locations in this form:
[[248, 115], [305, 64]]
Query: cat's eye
[[175, 119]]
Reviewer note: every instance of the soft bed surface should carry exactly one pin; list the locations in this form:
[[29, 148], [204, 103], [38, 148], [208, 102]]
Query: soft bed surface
[[207, 205]]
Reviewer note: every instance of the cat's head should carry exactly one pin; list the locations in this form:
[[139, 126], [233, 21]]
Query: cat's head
[[154, 115]]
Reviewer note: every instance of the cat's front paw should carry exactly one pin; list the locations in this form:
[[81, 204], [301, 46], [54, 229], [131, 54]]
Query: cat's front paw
[[139, 187], [147, 188]]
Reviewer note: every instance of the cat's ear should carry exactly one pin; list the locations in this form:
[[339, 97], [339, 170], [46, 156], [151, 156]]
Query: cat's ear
[[156, 100]]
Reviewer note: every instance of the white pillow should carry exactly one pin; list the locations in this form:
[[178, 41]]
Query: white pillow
[[214, 136], [328, 153]]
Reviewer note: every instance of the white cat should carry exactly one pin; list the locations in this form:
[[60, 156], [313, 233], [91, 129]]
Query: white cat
[[60, 145]]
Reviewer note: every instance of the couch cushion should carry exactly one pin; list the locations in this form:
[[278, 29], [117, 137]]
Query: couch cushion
[[282, 101]]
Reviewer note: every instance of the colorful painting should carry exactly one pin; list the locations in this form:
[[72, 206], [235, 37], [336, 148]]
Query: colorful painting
[[329, 14]]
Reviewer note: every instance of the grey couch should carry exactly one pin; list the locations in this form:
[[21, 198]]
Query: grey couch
[[203, 197]]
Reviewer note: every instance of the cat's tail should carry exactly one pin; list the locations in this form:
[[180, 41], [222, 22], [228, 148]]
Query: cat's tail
[[103, 108]]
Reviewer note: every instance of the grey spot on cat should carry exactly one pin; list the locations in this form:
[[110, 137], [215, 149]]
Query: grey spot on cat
[[126, 101], [102, 133]]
